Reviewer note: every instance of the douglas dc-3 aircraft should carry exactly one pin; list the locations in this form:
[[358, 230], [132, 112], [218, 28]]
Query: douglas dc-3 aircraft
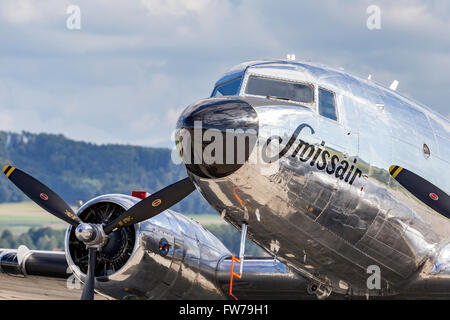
[[343, 181]]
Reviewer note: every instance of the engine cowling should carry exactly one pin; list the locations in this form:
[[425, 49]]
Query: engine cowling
[[117, 255], [166, 257]]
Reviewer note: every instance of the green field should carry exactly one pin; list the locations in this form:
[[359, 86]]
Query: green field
[[19, 217]]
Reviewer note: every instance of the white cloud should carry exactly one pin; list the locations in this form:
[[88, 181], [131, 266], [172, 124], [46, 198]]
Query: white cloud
[[418, 20], [177, 7], [19, 11], [6, 121], [136, 64], [172, 116]]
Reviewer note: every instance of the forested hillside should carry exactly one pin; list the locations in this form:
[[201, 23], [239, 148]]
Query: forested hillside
[[81, 171], [49, 239]]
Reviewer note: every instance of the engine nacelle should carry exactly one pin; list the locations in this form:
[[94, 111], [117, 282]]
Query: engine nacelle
[[166, 257]]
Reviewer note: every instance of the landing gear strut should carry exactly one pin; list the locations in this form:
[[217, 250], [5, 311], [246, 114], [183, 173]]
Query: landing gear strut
[[321, 291]]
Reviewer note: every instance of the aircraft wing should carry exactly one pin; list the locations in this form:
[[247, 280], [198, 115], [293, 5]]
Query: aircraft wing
[[433, 281], [37, 275]]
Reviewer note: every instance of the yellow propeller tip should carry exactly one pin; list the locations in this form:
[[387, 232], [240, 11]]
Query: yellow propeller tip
[[8, 170]]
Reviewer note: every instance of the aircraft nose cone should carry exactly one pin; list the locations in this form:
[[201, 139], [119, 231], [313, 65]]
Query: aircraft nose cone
[[216, 136]]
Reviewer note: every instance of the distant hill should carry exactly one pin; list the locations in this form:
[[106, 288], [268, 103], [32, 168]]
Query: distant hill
[[80, 171]]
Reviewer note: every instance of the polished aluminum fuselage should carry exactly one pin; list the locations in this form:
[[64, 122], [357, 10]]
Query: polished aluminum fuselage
[[329, 229], [328, 209], [196, 266], [186, 271]]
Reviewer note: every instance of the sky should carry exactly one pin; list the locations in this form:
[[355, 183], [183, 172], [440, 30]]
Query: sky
[[122, 71]]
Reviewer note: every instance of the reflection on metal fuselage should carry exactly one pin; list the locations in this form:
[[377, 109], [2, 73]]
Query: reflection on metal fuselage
[[183, 269], [174, 257], [333, 218]]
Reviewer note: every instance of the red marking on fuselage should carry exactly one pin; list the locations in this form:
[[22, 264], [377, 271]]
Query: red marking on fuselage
[[237, 197], [434, 196], [233, 274]]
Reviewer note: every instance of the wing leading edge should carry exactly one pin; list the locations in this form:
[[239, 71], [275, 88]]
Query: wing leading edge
[[37, 275]]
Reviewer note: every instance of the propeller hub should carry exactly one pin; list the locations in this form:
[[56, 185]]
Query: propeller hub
[[91, 234], [85, 232]]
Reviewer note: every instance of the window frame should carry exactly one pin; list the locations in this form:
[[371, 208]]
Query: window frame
[[270, 77], [228, 81], [336, 108]]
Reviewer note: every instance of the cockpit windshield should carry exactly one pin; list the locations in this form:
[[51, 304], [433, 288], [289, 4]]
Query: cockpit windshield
[[228, 88], [280, 89]]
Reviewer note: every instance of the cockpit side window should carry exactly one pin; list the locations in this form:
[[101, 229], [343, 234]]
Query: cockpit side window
[[327, 104], [228, 88], [280, 89]]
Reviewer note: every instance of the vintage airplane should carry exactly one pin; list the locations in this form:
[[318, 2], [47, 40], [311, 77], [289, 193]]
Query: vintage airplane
[[345, 182]]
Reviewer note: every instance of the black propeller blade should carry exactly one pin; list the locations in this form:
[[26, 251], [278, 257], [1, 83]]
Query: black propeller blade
[[422, 189], [153, 205], [89, 283], [42, 195], [54, 204]]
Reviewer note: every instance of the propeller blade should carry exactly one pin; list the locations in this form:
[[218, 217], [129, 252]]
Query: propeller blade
[[89, 284], [422, 189], [152, 205], [41, 195]]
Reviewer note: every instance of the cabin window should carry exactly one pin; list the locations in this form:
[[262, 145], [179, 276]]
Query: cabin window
[[327, 104], [280, 89], [229, 88]]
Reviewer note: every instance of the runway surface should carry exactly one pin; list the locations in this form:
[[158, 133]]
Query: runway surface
[[38, 288]]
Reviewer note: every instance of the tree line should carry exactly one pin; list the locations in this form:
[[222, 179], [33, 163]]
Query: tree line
[[45, 238], [81, 171], [35, 239]]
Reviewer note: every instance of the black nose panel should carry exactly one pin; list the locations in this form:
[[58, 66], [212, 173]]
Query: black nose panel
[[216, 136]]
